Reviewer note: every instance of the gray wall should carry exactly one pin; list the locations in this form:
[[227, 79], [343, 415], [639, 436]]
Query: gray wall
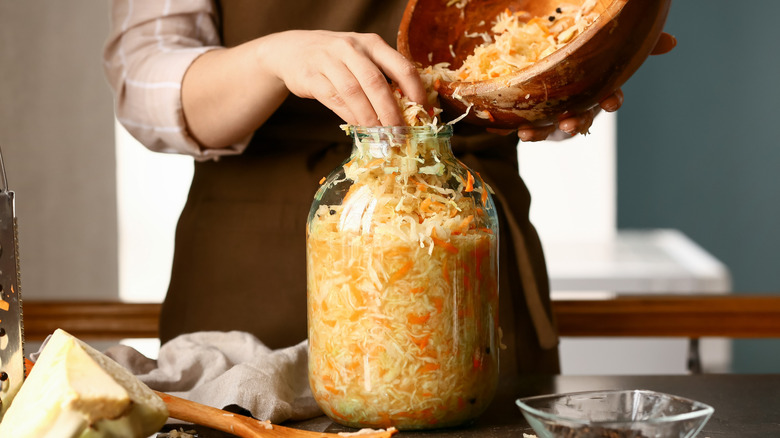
[[57, 138], [699, 150]]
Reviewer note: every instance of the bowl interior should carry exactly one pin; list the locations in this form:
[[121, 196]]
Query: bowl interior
[[619, 413]]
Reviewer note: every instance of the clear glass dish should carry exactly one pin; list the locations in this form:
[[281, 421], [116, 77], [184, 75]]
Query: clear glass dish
[[614, 414]]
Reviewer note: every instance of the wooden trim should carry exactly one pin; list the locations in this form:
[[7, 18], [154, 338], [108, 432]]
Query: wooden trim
[[732, 316], [90, 319]]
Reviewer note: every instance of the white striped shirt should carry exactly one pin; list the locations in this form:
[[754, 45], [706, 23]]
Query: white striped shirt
[[151, 45]]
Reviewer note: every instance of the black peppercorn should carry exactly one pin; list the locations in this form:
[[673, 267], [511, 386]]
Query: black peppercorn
[[558, 10], [551, 18]]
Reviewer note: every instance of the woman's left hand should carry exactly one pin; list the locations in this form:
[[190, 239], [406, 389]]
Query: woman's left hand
[[580, 123]]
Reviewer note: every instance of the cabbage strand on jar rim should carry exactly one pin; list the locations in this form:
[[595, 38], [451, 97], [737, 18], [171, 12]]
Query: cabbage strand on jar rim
[[402, 284]]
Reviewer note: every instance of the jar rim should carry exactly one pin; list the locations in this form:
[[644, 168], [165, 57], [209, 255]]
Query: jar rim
[[416, 131]]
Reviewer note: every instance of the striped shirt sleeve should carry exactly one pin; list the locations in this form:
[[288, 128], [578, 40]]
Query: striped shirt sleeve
[[151, 45]]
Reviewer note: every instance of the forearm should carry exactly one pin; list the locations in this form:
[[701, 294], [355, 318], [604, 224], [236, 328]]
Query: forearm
[[227, 94]]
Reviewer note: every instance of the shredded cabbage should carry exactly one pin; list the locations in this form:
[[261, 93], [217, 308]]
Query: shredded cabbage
[[402, 287], [518, 40]]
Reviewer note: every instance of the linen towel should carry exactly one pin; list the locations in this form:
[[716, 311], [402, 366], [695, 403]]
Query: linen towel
[[228, 370]]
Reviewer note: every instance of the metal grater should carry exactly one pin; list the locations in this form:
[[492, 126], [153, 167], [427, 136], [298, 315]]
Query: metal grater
[[11, 330]]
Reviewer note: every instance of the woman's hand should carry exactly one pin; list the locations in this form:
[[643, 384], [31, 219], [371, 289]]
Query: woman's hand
[[580, 123], [228, 93], [347, 72]]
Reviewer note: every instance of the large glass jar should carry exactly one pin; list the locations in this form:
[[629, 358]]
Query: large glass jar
[[402, 266]]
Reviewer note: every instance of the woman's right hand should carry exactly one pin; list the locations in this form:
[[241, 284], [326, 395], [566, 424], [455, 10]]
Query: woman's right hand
[[228, 93], [346, 72]]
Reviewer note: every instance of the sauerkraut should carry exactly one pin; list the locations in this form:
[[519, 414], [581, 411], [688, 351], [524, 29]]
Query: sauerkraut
[[402, 285], [520, 39], [517, 41]]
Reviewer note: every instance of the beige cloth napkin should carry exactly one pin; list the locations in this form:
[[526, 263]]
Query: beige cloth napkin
[[228, 370]]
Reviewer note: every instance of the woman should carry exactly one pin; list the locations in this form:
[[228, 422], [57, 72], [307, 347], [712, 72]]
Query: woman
[[256, 91]]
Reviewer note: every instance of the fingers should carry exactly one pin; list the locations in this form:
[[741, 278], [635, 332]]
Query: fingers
[[578, 124], [400, 70], [363, 90], [535, 134], [665, 44], [323, 90], [613, 102], [571, 124], [348, 73]]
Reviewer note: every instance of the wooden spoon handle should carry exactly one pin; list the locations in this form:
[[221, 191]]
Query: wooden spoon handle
[[240, 425]]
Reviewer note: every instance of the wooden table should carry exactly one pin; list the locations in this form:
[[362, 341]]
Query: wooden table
[[746, 406]]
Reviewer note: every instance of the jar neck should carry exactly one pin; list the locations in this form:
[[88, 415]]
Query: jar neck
[[386, 141]]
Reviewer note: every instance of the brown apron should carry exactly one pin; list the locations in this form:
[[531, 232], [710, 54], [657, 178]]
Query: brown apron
[[239, 261]]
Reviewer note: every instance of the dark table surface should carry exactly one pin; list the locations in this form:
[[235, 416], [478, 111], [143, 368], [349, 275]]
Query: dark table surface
[[745, 405]]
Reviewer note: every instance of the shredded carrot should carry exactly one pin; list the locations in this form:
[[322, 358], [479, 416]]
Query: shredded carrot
[[418, 319], [464, 224], [322, 180], [338, 414], [28, 366], [438, 303], [375, 163], [425, 206], [470, 182], [401, 272], [332, 390], [430, 367], [422, 342], [445, 245]]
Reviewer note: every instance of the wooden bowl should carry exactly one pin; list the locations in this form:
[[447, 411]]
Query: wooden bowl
[[569, 81]]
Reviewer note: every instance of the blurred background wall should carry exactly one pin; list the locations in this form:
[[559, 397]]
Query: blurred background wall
[[698, 146], [57, 138]]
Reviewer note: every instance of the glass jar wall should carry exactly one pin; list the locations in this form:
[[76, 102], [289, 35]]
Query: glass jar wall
[[403, 284]]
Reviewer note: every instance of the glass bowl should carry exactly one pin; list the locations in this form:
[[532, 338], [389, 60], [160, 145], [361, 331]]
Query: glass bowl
[[614, 414]]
